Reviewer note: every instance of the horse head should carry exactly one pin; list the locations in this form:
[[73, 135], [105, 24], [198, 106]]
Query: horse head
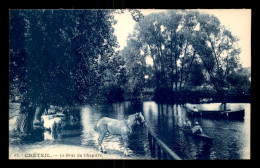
[[139, 119]]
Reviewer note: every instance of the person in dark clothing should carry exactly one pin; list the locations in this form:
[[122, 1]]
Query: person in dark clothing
[[196, 129]]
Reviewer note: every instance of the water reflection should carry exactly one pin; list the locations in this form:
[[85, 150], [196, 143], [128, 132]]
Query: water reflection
[[112, 143], [231, 137], [88, 136]]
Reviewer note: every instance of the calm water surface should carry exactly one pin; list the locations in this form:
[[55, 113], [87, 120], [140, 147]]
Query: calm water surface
[[231, 137]]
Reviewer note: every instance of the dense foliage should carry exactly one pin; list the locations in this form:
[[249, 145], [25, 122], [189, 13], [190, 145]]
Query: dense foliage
[[61, 58], [190, 51]]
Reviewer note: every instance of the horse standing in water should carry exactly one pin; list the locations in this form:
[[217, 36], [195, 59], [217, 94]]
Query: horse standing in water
[[117, 127]]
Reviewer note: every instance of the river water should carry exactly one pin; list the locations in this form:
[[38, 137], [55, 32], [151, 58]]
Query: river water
[[231, 137]]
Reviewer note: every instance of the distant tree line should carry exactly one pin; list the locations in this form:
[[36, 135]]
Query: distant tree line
[[190, 51]]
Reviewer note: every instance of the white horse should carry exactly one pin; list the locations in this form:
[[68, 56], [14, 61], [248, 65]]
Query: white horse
[[117, 127]]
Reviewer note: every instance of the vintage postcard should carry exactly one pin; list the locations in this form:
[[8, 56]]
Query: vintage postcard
[[135, 84]]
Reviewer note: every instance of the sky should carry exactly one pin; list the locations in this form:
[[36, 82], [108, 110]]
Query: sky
[[237, 21]]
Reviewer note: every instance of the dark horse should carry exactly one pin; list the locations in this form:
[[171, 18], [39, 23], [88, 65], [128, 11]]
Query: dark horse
[[117, 127]]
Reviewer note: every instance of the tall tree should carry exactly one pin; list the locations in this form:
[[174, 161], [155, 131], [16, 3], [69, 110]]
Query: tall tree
[[218, 50], [134, 66], [167, 39], [63, 51], [17, 54], [184, 45]]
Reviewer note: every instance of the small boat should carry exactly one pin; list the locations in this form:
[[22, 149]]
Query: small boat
[[219, 113], [200, 136]]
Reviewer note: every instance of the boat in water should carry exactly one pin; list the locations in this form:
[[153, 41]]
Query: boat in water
[[197, 136], [226, 113], [218, 113]]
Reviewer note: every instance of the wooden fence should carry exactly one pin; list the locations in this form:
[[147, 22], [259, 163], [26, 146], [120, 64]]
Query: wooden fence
[[156, 145]]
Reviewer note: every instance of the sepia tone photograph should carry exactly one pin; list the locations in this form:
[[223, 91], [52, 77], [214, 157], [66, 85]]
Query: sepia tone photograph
[[130, 84]]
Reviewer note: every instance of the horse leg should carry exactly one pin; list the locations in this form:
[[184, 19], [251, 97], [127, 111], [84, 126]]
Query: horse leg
[[100, 140], [125, 138]]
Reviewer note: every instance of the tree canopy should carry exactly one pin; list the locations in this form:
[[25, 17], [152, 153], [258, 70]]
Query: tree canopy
[[65, 53], [60, 57], [188, 49]]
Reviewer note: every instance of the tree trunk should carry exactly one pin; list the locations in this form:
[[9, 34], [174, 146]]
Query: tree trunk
[[38, 114], [24, 122], [172, 67]]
